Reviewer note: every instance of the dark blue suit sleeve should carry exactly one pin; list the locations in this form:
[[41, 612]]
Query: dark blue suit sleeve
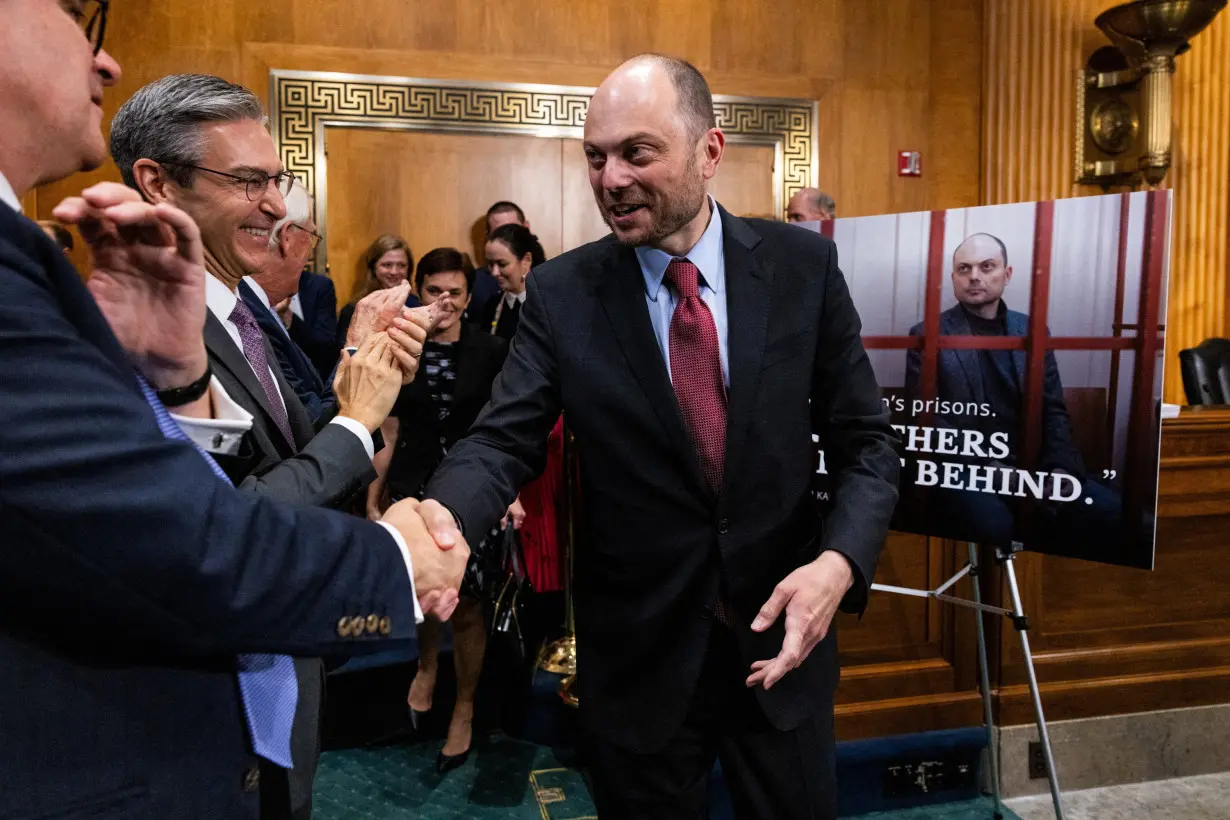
[[115, 536]]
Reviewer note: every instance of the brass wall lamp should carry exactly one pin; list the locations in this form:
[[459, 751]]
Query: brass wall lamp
[[1123, 97]]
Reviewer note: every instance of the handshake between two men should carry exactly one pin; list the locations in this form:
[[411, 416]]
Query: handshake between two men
[[149, 269]]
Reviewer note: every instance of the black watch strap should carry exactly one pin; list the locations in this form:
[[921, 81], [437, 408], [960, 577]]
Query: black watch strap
[[179, 396]]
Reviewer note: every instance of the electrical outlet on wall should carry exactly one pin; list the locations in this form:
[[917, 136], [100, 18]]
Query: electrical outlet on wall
[[1037, 761]]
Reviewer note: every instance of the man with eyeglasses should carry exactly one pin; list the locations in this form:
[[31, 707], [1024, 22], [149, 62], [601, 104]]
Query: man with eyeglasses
[[200, 143], [147, 608]]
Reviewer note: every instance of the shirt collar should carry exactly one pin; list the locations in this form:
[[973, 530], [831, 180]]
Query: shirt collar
[[257, 289], [706, 255], [8, 196], [511, 298], [220, 299]]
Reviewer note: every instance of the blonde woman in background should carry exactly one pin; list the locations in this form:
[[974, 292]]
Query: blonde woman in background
[[387, 261]]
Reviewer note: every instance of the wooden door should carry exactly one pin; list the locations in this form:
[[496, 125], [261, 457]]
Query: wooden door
[[434, 190]]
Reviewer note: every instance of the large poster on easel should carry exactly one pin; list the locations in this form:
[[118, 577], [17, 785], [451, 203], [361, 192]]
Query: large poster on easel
[[1020, 350]]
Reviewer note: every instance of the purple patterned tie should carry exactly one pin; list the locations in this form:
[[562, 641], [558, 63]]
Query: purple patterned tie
[[254, 351]]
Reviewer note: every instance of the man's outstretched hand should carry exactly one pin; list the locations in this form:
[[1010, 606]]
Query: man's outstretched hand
[[438, 569], [148, 278], [809, 596]]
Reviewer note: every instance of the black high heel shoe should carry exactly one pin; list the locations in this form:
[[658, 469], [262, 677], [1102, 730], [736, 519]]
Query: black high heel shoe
[[446, 763], [417, 718]]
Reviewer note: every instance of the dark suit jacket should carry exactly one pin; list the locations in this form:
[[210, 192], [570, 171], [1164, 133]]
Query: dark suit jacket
[[960, 379], [486, 287], [316, 331], [656, 540], [130, 576], [331, 466], [508, 321], [478, 359], [315, 393]]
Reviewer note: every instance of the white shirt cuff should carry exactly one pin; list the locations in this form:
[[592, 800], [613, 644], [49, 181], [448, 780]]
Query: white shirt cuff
[[405, 554], [223, 434], [360, 431]]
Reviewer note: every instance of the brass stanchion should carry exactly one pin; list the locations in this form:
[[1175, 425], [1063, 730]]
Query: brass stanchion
[[560, 657]]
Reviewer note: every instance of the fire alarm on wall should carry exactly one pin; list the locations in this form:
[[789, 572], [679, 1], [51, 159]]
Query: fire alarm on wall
[[909, 164]]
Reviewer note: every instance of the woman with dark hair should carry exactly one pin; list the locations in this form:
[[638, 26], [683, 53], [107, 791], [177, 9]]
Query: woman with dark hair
[[459, 364], [387, 263], [511, 252]]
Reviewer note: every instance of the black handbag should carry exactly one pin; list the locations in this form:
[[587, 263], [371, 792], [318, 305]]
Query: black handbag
[[512, 598]]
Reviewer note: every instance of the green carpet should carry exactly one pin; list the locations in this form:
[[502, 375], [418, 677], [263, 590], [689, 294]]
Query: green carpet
[[504, 778], [968, 810]]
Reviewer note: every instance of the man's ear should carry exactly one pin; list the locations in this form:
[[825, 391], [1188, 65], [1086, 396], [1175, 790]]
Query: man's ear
[[1007, 274], [284, 240], [152, 182]]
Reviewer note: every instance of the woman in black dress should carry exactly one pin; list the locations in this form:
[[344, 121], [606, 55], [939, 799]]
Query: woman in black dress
[[459, 364], [511, 252]]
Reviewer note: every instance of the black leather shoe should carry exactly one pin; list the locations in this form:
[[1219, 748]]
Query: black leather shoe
[[446, 763], [417, 718]]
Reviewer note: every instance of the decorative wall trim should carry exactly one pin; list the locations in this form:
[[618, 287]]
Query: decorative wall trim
[[304, 103]]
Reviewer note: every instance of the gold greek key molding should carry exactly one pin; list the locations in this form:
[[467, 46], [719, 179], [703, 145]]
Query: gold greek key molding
[[304, 103]]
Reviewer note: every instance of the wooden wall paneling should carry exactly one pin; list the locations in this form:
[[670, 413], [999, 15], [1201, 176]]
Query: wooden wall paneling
[[1034, 50], [1199, 178], [744, 181], [580, 220], [1112, 639], [433, 189]]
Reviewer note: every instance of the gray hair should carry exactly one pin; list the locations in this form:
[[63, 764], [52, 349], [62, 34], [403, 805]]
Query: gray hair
[[298, 211], [161, 122], [823, 202]]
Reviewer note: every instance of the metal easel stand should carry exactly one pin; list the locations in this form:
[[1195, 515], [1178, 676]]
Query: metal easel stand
[[1003, 557]]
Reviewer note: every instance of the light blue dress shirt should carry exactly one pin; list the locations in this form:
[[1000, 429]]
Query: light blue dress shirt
[[661, 298]]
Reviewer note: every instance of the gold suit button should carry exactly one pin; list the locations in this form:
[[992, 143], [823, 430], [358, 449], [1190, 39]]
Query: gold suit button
[[373, 623], [251, 779], [386, 626], [343, 627]]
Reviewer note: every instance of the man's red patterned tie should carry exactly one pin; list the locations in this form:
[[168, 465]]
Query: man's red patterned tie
[[696, 370], [696, 374]]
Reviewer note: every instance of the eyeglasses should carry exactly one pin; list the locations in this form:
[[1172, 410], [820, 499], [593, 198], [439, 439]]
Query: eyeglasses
[[255, 184], [91, 15], [315, 237]]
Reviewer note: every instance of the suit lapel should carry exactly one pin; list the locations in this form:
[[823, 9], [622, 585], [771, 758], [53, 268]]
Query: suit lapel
[[301, 426], [469, 373], [749, 287], [958, 325], [622, 296]]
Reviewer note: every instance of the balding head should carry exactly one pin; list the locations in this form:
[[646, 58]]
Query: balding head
[[980, 272], [652, 144], [810, 205]]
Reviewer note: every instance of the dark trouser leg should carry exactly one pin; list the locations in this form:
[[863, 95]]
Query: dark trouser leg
[[305, 735], [666, 785], [772, 774], [776, 775]]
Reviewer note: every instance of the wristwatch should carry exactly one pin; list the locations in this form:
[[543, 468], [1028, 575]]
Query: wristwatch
[[179, 396]]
